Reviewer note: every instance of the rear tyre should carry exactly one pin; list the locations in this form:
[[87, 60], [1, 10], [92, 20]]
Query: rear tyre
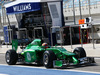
[[48, 58], [11, 57], [80, 52]]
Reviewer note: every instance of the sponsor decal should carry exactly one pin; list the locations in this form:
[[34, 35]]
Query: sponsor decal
[[28, 56]]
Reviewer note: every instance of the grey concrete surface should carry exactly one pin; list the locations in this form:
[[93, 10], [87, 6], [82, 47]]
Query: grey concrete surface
[[88, 48]]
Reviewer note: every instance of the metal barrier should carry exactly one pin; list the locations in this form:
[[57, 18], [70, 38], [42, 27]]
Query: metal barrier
[[70, 27], [23, 29], [38, 28], [0, 43], [60, 34], [93, 36]]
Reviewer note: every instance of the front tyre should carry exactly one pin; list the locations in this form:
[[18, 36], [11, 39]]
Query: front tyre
[[80, 52], [48, 58], [11, 57]]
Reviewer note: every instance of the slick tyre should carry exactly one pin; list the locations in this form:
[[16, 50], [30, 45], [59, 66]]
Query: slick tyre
[[11, 57], [48, 58], [80, 52]]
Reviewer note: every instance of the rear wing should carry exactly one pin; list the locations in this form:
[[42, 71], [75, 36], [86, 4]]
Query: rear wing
[[15, 44], [22, 42]]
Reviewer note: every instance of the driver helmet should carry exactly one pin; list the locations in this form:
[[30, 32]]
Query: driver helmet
[[45, 45]]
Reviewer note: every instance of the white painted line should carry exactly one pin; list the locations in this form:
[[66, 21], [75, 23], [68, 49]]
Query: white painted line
[[97, 58], [51, 69], [3, 74], [3, 64]]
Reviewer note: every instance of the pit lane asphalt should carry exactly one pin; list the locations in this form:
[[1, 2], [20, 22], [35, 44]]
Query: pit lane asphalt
[[16, 70], [90, 69]]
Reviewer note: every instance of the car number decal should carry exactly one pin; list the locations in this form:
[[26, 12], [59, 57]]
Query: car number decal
[[28, 56]]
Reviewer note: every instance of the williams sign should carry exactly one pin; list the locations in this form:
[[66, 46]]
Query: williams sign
[[23, 7]]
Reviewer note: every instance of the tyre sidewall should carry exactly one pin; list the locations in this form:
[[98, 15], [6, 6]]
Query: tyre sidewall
[[13, 57]]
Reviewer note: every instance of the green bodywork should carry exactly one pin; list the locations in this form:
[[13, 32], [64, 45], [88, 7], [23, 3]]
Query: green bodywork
[[34, 52]]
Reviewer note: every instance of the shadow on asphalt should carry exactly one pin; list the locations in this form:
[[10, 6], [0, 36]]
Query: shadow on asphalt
[[34, 65], [78, 66], [64, 67]]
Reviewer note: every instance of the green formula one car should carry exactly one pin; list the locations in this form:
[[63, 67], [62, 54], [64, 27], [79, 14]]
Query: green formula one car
[[48, 56]]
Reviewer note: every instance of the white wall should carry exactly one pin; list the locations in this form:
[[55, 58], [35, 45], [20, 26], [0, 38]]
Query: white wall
[[12, 19], [95, 9], [95, 13]]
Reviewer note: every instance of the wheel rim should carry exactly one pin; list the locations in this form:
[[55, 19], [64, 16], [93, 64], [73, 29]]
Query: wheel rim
[[77, 53], [8, 57], [45, 59]]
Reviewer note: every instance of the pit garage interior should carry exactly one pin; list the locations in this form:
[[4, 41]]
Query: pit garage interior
[[37, 22]]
